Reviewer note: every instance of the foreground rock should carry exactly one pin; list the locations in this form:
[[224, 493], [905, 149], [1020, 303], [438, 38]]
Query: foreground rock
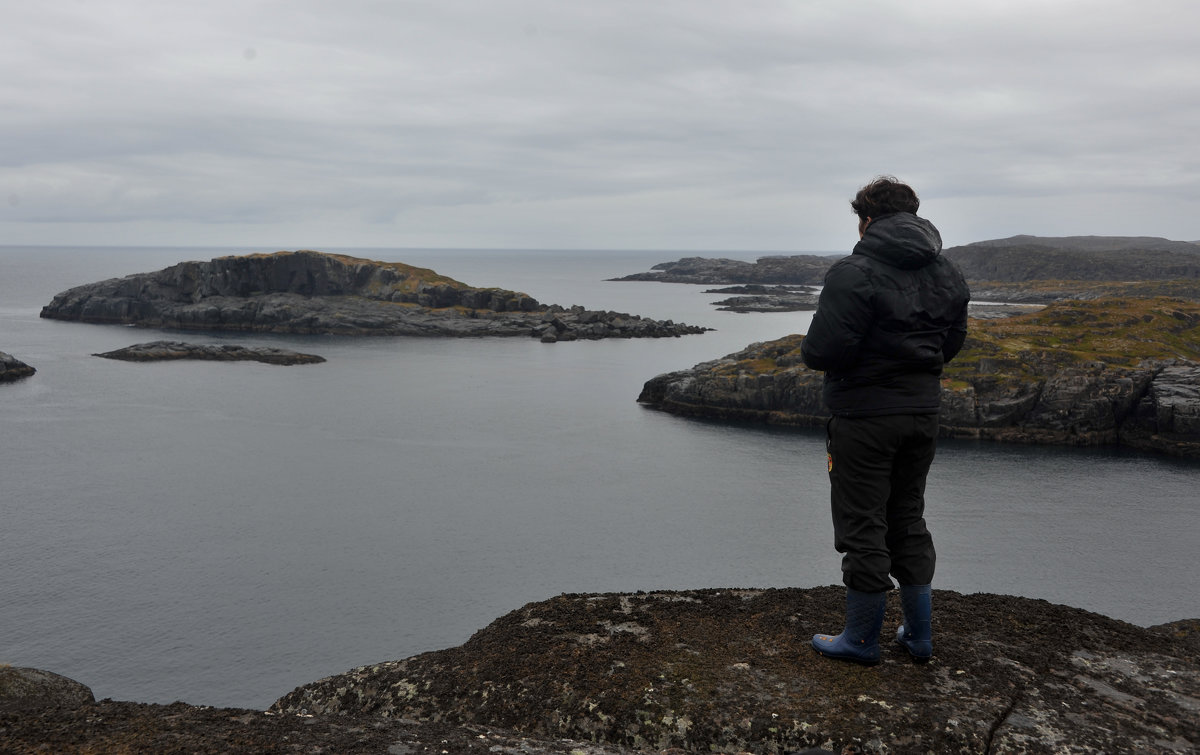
[[111, 726], [731, 670], [12, 368], [160, 351], [312, 292], [1105, 372], [701, 671]]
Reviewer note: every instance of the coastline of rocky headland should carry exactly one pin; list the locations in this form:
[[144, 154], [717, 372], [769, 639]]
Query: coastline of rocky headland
[[719, 670], [1027, 269], [12, 368], [1120, 371], [314, 292], [165, 351]]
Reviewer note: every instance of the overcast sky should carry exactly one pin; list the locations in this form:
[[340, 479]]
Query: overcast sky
[[605, 124]]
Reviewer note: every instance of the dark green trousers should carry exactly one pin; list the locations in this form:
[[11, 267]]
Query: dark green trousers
[[877, 469]]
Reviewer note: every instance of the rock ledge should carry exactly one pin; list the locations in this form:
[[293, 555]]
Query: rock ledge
[[724, 670]]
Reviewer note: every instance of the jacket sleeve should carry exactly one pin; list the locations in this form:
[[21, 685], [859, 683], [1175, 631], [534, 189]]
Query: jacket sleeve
[[956, 336], [845, 312]]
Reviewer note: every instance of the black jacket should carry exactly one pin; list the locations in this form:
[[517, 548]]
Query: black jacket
[[890, 315]]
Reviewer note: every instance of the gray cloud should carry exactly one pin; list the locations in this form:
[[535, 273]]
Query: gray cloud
[[680, 125]]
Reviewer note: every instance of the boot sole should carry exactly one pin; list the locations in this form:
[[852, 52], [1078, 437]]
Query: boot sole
[[848, 658], [915, 658]]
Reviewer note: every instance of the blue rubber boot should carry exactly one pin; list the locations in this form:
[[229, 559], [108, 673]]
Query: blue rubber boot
[[859, 641], [915, 634]]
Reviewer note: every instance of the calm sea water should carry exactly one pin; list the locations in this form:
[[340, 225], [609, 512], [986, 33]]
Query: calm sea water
[[220, 533]]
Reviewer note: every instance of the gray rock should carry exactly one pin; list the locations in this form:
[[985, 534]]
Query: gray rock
[[26, 689], [159, 351], [731, 670], [12, 368]]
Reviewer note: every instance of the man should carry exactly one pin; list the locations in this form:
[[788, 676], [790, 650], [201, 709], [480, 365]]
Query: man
[[889, 317]]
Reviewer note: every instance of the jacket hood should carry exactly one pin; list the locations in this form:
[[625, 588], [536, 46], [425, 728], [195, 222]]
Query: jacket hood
[[902, 240]]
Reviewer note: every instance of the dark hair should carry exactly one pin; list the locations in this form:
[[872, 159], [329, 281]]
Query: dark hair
[[882, 196]]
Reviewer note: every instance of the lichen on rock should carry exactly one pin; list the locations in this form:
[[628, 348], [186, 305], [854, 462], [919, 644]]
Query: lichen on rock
[[731, 670]]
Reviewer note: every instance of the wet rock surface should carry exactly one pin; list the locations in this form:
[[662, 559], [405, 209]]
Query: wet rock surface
[[163, 351], [12, 368], [705, 670], [313, 292]]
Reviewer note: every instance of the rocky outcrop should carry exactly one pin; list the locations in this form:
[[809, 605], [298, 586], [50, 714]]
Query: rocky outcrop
[[760, 298], [1092, 373], [1081, 258], [703, 671], [12, 368], [30, 689], [161, 351], [731, 671], [1029, 269], [1152, 407], [803, 269], [312, 292], [1167, 417], [112, 727]]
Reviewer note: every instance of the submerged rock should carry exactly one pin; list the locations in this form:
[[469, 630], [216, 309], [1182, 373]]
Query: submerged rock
[[12, 368], [159, 351], [312, 292]]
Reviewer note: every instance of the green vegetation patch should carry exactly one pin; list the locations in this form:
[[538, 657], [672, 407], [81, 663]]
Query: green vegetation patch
[[1121, 332], [1116, 331], [762, 358]]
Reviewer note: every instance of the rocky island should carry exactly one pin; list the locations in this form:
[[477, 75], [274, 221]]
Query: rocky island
[[1108, 371], [164, 351], [12, 368], [1020, 269], [720, 670], [1017, 259], [313, 292], [756, 297]]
